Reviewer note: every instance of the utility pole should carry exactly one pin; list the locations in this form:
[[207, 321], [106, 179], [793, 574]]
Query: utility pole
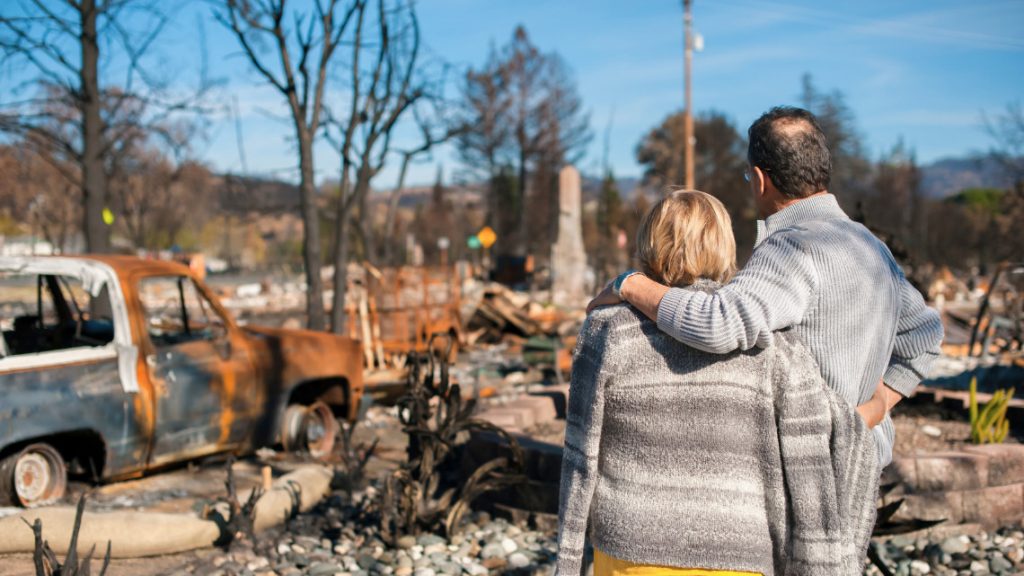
[[688, 112]]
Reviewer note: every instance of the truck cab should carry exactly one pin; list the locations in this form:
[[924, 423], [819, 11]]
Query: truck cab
[[111, 366]]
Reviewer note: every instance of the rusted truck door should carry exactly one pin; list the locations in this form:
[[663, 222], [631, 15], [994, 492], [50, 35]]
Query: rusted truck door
[[190, 367]]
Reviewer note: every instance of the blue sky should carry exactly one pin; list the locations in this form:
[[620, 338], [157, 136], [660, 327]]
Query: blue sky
[[921, 70]]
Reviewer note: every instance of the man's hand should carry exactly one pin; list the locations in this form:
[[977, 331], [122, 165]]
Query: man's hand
[[874, 410], [607, 297]]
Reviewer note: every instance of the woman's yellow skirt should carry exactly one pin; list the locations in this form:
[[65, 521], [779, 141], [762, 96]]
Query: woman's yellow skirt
[[605, 565]]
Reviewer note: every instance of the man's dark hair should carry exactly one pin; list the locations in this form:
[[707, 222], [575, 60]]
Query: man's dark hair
[[787, 144]]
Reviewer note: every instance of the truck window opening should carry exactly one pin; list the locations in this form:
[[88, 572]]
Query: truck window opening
[[48, 312]]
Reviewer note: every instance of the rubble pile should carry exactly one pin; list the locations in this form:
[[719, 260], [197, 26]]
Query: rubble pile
[[501, 312], [395, 311]]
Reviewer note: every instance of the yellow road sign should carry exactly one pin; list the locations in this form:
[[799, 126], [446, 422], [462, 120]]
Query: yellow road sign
[[486, 236]]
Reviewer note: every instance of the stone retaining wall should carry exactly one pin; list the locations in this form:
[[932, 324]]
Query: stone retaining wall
[[977, 485]]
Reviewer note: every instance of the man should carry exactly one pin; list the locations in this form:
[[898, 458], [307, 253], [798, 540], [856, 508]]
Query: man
[[813, 270]]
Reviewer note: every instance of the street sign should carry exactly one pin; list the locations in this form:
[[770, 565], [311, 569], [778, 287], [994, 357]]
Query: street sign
[[487, 237]]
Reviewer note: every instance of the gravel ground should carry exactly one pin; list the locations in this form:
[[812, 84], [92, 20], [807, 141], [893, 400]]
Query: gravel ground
[[334, 539], [1001, 552]]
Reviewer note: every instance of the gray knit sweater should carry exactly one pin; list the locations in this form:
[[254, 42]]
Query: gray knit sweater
[[745, 461], [841, 291]]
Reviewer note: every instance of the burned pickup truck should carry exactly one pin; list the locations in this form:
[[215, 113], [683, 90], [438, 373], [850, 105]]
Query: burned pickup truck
[[111, 366]]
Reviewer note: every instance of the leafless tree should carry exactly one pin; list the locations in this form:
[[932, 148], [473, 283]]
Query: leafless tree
[[292, 51], [435, 127], [62, 106], [383, 86], [38, 195], [1007, 129], [486, 102], [157, 196], [525, 112]]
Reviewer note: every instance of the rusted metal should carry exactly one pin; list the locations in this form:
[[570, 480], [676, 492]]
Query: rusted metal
[[1001, 331], [36, 475], [311, 429], [398, 310], [415, 497], [228, 392]]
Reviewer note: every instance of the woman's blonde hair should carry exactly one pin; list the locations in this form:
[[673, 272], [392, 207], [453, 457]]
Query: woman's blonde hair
[[685, 236]]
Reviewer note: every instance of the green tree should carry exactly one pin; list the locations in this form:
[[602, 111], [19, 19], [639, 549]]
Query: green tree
[[985, 200], [851, 168], [608, 259], [720, 161]]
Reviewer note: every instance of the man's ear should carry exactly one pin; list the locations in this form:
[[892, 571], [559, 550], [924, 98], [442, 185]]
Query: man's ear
[[760, 180]]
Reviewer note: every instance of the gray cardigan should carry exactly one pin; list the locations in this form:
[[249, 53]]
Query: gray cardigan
[[745, 461]]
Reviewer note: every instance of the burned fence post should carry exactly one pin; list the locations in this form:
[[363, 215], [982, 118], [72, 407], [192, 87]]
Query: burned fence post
[[45, 561], [354, 459], [414, 498], [239, 527]]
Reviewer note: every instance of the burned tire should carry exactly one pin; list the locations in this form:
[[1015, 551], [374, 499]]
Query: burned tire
[[33, 476], [311, 429]]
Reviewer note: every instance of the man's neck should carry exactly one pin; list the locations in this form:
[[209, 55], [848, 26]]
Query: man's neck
[[782, 203]]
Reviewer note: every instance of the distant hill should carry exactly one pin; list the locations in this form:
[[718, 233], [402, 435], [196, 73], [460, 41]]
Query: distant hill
[[949, 176], [939, 179], [243, 194], [591, 187]]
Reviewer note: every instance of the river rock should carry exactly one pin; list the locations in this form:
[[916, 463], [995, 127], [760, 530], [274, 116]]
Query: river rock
[[998, 565], [955, 545], [324, 569], [518, 560], [430, 539], [920, 567], [977, 567], [509, 545], [493, 550]]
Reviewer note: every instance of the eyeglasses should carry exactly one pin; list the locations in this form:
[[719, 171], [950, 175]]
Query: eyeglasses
[[746, 173]]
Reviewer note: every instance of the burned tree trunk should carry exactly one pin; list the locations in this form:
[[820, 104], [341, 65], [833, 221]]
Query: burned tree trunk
[[311, 238], [341, 250], [300, 75], [94, 178]]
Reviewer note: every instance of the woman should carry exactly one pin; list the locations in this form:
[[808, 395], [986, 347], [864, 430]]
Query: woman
[[685, 463]]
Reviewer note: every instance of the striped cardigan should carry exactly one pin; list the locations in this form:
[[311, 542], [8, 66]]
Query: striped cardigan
[[677, 457]]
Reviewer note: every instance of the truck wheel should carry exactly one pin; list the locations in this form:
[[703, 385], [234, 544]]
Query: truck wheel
[[311, 429], [34, 476]]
